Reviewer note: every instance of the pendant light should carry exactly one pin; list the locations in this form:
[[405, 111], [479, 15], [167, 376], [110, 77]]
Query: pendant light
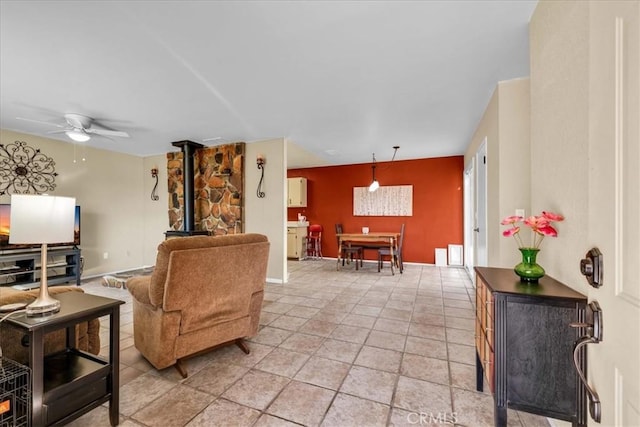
[[374, 184]]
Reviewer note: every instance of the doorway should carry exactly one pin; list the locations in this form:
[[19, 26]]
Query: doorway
[[480, 229], [469, 212]]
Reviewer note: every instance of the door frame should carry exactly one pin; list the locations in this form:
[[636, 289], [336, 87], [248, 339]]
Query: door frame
[[468, 179], [480, 249]]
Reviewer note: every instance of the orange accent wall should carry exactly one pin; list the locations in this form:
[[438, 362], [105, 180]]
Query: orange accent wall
[[437, 203]]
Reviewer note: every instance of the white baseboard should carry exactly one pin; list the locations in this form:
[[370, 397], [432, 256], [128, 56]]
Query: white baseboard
[[113, 273]]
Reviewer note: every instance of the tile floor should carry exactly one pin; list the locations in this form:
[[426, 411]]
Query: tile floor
[[335, 348]]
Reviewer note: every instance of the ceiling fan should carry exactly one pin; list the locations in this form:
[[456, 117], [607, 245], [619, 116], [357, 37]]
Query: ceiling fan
[[80, 128]]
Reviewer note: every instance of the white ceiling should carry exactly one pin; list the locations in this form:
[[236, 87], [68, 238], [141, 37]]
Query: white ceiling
[[341, 79]]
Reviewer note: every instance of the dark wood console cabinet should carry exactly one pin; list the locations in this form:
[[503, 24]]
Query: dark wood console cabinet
[[524, 345], [21, 269]]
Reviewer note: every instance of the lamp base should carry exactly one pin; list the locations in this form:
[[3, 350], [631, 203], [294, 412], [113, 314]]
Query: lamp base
[[43, 307]]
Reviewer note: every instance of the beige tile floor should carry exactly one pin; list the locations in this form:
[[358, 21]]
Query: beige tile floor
[[335, 348]]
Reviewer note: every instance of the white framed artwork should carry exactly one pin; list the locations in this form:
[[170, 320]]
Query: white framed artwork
[[392, 200]]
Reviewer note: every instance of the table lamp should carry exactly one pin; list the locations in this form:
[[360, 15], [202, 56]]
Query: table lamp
[[42, 220]]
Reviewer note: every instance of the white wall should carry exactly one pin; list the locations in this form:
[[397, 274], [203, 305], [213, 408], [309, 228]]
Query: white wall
[[156, 217], [505, 125], [560, 131], [268, 215], [108, 186], [515, 162]]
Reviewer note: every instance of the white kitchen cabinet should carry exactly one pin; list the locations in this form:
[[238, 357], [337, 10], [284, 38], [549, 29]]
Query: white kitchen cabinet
[[297, 192], [296, 240]]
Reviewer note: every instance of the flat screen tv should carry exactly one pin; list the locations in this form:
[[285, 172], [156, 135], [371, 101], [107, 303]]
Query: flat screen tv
[[5, 230]]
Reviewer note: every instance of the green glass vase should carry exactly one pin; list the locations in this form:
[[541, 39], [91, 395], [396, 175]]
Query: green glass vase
[[528, 270]]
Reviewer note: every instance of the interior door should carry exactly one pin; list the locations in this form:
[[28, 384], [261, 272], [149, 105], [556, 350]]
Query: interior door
[[481, 206], [469, 210], [614, 209]]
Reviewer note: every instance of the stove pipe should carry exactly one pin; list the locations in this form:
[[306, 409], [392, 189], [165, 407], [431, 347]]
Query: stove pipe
[[188, 221]]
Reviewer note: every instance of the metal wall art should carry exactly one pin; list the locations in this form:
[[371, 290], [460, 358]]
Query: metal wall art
[[25, 170]]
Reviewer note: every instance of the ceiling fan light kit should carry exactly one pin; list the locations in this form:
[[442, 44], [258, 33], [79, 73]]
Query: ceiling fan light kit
[[77, 135], [80, 128]]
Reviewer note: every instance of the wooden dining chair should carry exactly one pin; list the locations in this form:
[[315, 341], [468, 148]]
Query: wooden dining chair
[[348, 250], [396, 257]]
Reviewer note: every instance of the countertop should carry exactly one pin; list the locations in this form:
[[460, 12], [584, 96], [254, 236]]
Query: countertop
[[297, 224]]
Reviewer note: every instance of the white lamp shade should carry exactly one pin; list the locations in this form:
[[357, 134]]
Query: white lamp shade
[[374, 186], [41, 219]]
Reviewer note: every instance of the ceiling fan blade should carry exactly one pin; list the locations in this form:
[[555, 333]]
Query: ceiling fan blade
[[106, 132], [51, 132], [40, 122]]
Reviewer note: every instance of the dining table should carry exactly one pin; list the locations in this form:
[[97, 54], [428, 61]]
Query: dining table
[[389, 238]]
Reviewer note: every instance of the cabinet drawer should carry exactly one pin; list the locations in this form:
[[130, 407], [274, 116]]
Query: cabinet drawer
[[485, 352], [484, 311], [485, 330], [75, 400], [480, 339], [489, 322], [481, 302], [489, 367]]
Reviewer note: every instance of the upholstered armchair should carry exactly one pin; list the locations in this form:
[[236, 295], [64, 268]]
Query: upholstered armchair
[[204, 292]]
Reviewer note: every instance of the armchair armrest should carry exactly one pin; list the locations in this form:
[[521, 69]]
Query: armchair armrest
[[139, 286]]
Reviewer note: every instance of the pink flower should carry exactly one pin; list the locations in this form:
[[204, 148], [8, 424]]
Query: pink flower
[[548, 231], [540, 226], [510, 231], [536, 222], [511, 220], [552, 217]]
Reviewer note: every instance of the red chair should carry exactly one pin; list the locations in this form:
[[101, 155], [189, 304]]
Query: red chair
[[314, 241]]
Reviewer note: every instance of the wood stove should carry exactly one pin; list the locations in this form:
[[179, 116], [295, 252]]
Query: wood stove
[[188, 221]]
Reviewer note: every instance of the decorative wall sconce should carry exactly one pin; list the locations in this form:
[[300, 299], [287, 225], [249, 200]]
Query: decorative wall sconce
[[154, 192], [260, 162]]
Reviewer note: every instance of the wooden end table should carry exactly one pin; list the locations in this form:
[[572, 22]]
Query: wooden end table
[[70, 383]]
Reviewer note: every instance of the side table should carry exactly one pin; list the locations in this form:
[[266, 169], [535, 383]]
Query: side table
[[70, 383], [524, 346]]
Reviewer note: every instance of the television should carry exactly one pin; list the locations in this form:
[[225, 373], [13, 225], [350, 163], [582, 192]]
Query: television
[[5, 229]]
